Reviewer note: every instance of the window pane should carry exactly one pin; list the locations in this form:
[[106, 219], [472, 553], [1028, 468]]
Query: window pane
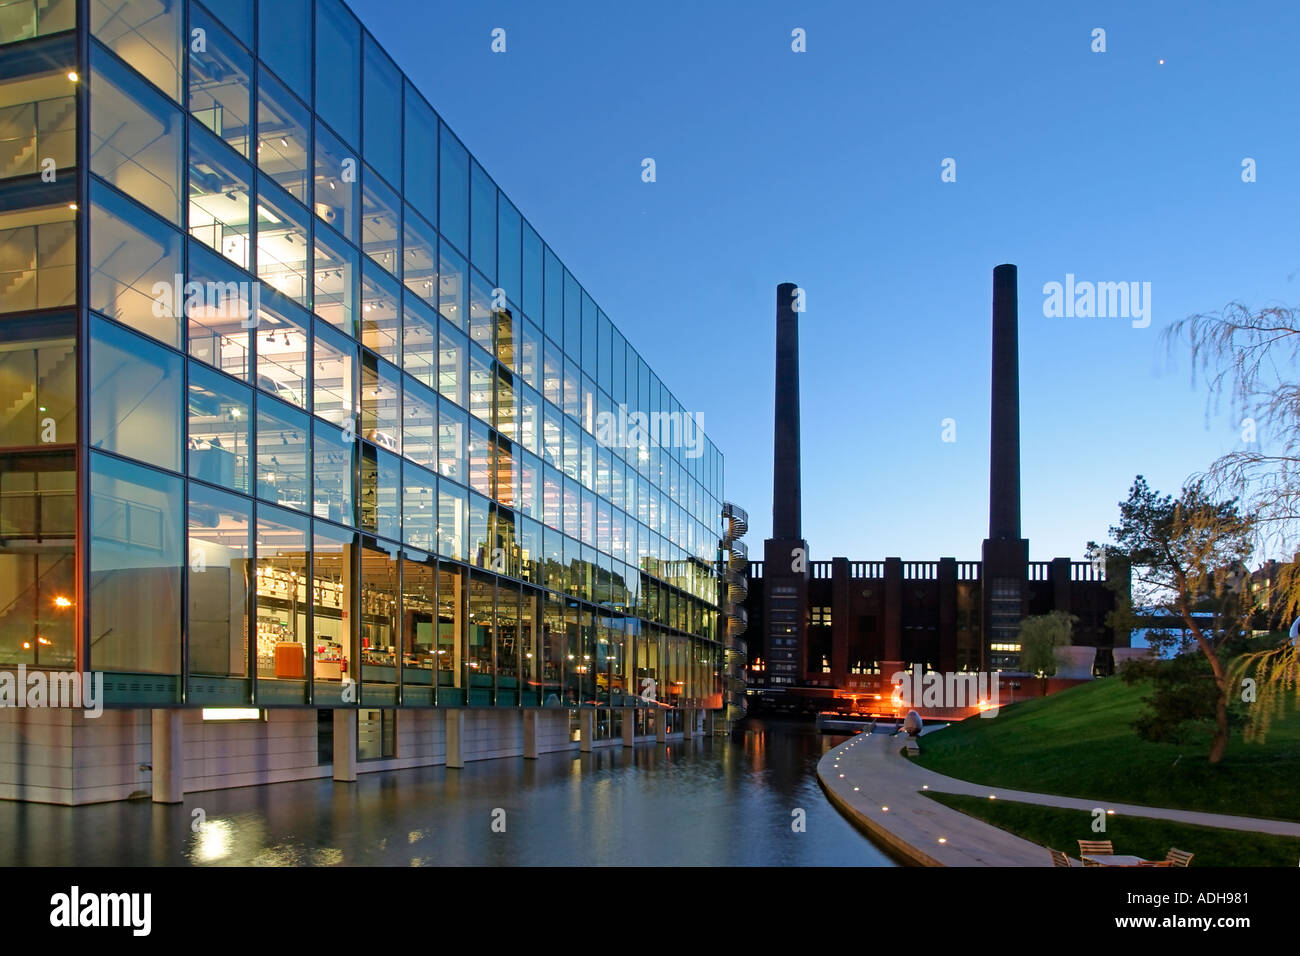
[[282, 243], [453, 429], [38, 390], [419, 259], [381, 610], [380, 500], [218, 319], [38, 121], [453, 286], [135, 397], [419, 507], [381, 403], [220, 582], [135, 137], [420, 151], [333, 601], [283, 594], [137, 528], [237, 15], [381, 225], [220, 82], [282, 454], [383, 113], [286, 50], [38, 259], [221, 422], [338, 69], [420, 341], [532, 275], [336, 363], [420, 424], [380, 301], [453, 190], [338, 183], [283, 351], [220, 194], [453, 505], [332, 475], [453, 381], [483, 229], [334, 293], [509, 249], [146, 34], [282, 136]]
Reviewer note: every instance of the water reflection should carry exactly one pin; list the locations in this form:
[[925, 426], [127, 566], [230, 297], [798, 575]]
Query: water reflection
[[710, 801]]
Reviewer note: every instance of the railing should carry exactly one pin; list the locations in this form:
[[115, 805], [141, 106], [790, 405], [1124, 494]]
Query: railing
[[820, 569], [1040, 570], [968, 570], [920, 570], [1087, 571], [867, 569]]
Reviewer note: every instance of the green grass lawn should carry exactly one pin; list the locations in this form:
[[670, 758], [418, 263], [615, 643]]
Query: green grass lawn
[[1079, 743], [1149, 839]]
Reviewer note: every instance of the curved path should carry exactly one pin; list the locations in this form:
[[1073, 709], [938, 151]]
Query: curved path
[[878, 788]]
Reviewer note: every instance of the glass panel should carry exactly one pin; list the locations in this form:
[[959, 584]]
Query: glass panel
[[220, 197], [453, 506], [452, 286], [283, 136], [380, 501], [332, 601], [530, 420], [283, 453], [283, 351], [219, 308], [220, 582], [283, 604], [38, 122], [287, 51], [554, 312], [24, 19], [420, 424], [380, 300], [145, 33], [482, 618], [336, 362], [38, 391], [420, 341], [453, 380], [381, 403], [480, 458], [420, 153], [453, 431], [483, 226], [509, 249], [508, 643], [504, 406], [235, 14], [131, 257], [420, 611], [338, 69], [137, 552], [480, 386], [282, 243], [135, 137], [381, 610], [451, 632], [381, 225], [338, 183], [220, 429], [453, 190], [419, 266], [332, 474], [532, 274], [419, 507], [335, 290], [383, 113], [220, 81], [135, 397]]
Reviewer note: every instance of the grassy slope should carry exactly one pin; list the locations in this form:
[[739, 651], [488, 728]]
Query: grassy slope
[[1150, 839], [1079, 743]]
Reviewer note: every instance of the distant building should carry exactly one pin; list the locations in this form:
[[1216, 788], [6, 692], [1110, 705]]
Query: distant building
[[840, 628]]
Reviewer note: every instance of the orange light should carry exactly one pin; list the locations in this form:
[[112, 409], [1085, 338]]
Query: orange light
[[74, 77], [61, 601], [27, 645]]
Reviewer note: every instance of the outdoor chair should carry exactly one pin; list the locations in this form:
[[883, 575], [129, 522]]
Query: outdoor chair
[[1177, 857], [1101, 847], [1059, 858]]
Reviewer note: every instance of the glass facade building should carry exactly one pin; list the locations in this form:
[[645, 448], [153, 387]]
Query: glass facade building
[[297, 409]]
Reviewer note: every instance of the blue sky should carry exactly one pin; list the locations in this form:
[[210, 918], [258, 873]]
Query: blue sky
[[823, 168]]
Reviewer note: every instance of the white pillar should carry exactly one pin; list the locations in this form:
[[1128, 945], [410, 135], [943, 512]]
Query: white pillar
[[455, 737], [345, 744], [587, 725], [168, 758], [530, 734], [629, 727]]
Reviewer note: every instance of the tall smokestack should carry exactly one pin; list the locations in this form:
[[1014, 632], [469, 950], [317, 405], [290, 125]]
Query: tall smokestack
[[1004, 465], [787, 522]]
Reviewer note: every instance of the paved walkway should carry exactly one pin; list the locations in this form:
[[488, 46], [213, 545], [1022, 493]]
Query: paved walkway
[[866, 774]]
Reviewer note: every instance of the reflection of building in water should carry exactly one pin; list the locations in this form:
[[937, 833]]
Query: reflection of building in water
[[829, 634]]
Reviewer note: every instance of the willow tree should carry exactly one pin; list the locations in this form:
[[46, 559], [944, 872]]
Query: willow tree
[[1250, 362]]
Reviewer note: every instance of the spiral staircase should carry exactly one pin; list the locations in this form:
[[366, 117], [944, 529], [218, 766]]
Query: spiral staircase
[[734, 560]]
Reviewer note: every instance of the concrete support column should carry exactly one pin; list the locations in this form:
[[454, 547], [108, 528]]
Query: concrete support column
[[530, 734], [587, 729], [661, 727], [455, 737], [168, 760], [345, 744], [688, 724], [629, 727]]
